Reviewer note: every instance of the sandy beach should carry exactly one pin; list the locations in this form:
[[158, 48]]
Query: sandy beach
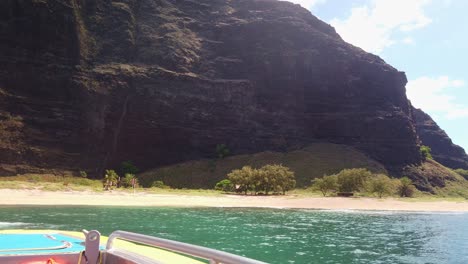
[[37, 197]]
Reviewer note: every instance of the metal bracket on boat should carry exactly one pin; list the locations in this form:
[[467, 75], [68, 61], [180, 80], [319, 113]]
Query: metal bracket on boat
[[214, 256], [92, 240]]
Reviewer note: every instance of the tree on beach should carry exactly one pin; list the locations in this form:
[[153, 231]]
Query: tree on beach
[[110, 179], [326, 184], [242, 179], [273, 178], [382, 185], [129, 180], [352, 180], [276, 178], [269, 178]]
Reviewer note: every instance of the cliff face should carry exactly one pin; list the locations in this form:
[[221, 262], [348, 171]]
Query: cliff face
[[442, 148], [88, 84]]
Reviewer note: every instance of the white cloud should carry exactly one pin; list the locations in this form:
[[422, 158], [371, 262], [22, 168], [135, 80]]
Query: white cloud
[[408, 41], [309, 4], [433, 95], [372, 27], [458, 83], [447, 3]]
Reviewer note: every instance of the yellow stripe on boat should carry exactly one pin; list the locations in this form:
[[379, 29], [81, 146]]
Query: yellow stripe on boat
[[149, 252]]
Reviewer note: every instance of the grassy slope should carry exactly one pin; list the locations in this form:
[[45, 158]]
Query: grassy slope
[[311, 162], [456, 186], [431, 174], [442, 181], [47, 182]]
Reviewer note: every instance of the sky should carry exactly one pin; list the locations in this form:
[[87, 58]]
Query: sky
[[426, 39]]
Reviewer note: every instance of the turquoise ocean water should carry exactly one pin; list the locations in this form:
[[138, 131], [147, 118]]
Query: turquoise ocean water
[[274, 235]]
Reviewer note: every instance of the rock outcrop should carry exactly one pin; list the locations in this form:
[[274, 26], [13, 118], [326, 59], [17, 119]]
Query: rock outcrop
[[442, 148], [88, 84]]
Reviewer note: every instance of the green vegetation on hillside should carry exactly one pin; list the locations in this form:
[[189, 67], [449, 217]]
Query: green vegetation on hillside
[[426, 152], [308, 163]]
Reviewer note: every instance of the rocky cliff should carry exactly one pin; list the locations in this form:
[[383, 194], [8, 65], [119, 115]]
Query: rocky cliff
[[442, 148], [87, 84]]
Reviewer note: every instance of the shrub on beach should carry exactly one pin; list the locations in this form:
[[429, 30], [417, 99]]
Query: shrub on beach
[[159, 184], [225, 186], [82, 181]]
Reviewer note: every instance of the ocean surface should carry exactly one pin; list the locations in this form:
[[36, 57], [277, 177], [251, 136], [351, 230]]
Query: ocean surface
[[273, 235]]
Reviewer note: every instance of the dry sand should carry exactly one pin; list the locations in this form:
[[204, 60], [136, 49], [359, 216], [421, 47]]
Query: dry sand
[[36, 197]]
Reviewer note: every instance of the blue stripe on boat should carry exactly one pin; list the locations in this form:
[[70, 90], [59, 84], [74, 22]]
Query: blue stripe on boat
[[27, 244]]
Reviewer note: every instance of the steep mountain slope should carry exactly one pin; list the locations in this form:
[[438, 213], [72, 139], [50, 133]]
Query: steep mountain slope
[[89, 84], [442, 148]]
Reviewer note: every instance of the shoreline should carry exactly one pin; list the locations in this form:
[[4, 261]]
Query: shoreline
[[14, 197]]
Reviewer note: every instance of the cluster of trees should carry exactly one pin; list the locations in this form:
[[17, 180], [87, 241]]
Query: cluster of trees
[[362, 180], [269, 178], [112, 179]]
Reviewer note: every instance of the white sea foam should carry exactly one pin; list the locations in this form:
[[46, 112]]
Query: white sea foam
[[359, 252], [11, 224], [388, 212]]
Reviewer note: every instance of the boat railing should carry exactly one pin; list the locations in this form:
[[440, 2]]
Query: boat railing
[[212, 255]]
